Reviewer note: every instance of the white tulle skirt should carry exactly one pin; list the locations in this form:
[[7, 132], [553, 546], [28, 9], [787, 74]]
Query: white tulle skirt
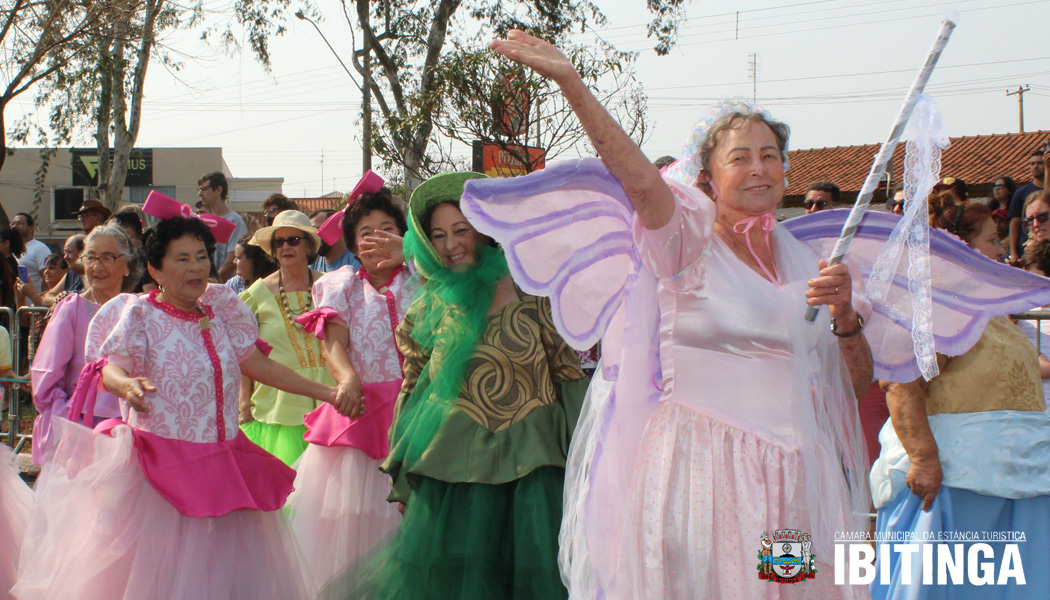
[[98, 530], [339, 509], [16, 500], [704, 494]]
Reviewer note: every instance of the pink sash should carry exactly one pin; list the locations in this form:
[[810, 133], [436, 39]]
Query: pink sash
[[199, 479], [210, 479], [370, 433]]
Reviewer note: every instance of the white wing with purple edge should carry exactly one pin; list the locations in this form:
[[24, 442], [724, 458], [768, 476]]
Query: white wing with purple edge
[[570, 241], [567, 234], [968, 290]]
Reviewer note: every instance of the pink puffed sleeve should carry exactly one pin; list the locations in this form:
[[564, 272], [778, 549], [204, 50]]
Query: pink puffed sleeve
[[334, 291], [673, 250], [237, 320], [118, 332], [53, 357]]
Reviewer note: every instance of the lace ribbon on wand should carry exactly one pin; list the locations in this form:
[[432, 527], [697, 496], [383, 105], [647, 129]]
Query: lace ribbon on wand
[[885, 154]]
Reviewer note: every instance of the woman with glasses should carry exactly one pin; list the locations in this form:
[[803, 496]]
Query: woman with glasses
[[1036, 220], [966, 450], [109, 268], [270, 417], [1002, 190]]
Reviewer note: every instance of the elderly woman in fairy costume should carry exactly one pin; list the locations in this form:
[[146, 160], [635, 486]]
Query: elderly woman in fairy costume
[[270, 417], [339, 508], [482, 425], [174, 502], [744, 415]]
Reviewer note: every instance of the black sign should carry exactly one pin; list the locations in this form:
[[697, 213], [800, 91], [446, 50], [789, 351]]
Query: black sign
[[140, 167]]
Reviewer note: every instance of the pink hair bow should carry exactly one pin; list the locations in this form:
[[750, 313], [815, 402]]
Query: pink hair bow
[[332, 229], [166, 207], [314, 321]]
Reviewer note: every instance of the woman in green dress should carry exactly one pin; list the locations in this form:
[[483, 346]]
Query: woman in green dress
[[482, 427], [270, 417]]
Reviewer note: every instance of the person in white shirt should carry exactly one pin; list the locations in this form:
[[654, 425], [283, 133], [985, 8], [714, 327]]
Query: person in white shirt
[[213, 189], [36, 251]]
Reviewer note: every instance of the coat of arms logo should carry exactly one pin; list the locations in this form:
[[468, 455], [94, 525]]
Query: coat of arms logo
[[786, 557]]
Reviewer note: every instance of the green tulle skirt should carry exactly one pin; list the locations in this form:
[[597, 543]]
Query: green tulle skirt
[[283, 441], [460, 541]]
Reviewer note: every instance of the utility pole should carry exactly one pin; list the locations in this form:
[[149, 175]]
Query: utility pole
[[366, 109], [752, 72], [1020, 104]]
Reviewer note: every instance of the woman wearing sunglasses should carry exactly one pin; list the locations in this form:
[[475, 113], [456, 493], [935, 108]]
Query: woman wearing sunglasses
[[270, 417], [1036, 219]]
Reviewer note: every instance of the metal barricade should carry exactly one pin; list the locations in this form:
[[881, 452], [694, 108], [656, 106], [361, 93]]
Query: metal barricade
[[10, 392], [15, 438], [1038, 316]]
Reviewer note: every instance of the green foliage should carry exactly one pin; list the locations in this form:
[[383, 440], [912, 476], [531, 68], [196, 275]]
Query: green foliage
[[667, 15]]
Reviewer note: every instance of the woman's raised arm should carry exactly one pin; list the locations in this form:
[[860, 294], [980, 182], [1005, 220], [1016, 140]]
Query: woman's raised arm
[[647, 191]]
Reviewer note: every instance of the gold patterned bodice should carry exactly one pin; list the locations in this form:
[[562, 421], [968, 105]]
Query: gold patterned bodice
[[518, 360], [1001, 372]]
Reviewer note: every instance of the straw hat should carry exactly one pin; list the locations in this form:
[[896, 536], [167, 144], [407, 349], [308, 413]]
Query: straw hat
[[288, 218]]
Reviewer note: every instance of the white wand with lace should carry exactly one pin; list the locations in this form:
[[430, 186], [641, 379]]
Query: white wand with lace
[[885, 154]]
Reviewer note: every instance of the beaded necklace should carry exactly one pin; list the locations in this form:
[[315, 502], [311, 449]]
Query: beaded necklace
[[204, 322], [304, 351]]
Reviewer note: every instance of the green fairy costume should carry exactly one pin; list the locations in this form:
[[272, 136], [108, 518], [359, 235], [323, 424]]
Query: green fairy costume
[[480, 432]]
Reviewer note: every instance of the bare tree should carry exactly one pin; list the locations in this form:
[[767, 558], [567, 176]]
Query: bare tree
[[38, 39], [98, 91], [488, 98], [129, 29]]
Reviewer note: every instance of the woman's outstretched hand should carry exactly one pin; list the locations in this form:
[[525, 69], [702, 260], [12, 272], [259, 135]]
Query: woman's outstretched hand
[[535, 53]]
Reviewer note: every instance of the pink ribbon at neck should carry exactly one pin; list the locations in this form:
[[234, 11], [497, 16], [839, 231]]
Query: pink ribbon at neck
[[767, 222]]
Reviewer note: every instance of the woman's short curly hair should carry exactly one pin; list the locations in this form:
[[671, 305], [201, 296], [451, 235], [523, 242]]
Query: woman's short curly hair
[[358, 209], [1037, 254], [169, 230], [115, 232], [694, 167]]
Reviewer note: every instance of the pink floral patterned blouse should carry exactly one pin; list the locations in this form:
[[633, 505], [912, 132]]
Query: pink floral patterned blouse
[[371, 316], [145, 338]]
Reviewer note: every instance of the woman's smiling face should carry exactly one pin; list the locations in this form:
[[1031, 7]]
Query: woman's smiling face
[[454, 238], [747, 170]]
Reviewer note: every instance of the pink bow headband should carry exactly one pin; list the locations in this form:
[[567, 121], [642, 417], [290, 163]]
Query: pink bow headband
[[164, 207], [332, 229]]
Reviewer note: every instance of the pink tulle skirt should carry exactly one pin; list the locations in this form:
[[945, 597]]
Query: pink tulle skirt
[[705, 493], [339, 509], [98, 530], [16, 499]]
